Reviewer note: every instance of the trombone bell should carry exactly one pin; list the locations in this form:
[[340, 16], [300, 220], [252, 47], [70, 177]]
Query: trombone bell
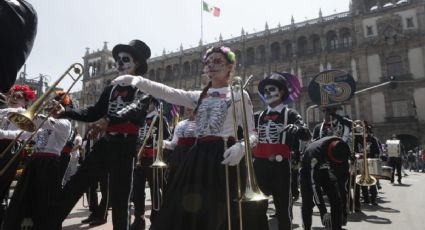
[[24, 120]]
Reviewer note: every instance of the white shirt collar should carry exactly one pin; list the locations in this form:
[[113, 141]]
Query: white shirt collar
[[278, 108]]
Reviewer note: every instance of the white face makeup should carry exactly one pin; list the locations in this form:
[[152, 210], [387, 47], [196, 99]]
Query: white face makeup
[[16, 100], [125, 63], [272, 94], [216, 66]]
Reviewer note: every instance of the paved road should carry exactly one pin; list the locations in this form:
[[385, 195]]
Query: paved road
[[400, 207]]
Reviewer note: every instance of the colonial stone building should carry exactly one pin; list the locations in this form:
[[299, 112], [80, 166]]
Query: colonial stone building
[[374, 40]]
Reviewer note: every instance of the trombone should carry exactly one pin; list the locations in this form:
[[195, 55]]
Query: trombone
[[25, 120], [364, 179], [159, 165], [252, 192]]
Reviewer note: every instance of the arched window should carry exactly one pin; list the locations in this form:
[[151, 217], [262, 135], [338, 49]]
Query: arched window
[[394, 66], [261, 54], [152, 74], [332, 40], [250, 56], [315, 43], [346, 38], [168, 73], [288, 49], [186, 69], [159, 74], [302, 45], [275, 51]]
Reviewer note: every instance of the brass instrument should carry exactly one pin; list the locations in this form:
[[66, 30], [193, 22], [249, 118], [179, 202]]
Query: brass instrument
[[25, 120], [252, 192], [159, 165], [364, 179]]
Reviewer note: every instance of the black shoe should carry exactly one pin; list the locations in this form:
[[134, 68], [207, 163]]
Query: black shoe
[[399, 182], [88, 220], [357, 209], [344, 221], [138, 224], [97, 222]]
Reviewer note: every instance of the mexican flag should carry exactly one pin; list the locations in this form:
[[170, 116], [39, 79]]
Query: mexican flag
[[211, 9]]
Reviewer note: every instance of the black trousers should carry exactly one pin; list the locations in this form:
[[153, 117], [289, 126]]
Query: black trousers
[[63, 163], [99, 210], [8, 176], [326, 180], [395, 163], [113, 155], [274, 178], [295, 183], [36, 196], [142, 174]]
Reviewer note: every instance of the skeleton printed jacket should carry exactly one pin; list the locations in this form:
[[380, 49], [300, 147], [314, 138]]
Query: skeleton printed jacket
[[339, 127], [50, 138], [271, 124], [120, 104], [144, 129], [214, 116]]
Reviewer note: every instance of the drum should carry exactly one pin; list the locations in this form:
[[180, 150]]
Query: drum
[[374, 166], [393, 148]]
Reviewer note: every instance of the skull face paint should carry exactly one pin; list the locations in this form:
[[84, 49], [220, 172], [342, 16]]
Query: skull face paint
[[125, 63], [216, 66], [272, 94]]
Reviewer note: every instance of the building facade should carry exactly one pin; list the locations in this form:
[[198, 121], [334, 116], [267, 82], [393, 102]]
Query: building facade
[[373, 41]]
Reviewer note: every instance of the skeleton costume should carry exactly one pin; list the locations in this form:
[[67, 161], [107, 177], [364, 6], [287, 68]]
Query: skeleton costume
[[6, 179], [279, 131], [36, 195], [320, 164], [125, 108], [144, 172], [196, 196]]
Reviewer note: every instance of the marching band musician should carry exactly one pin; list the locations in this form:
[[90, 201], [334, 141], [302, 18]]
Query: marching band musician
[[334, 123], [120, 110], [322, 161], [196, 197], [395, 151], [279, 131], [36, 195], [183, 138], [144, 172], [19, 97]]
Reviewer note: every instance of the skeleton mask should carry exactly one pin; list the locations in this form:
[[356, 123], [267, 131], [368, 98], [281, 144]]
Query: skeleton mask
[[272, 94], [216, 65], [125, 63]]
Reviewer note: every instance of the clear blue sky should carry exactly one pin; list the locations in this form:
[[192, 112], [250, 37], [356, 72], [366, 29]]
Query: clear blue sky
[[66, 28]]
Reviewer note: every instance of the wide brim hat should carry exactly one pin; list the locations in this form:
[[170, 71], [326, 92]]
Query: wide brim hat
[[285, 81], [18, 23], [338, 151], [138, 49]]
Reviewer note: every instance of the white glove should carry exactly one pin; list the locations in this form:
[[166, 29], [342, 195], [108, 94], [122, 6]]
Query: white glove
[[168, 145], [327, 220], [125, 80], [233, 155], [27, 224]]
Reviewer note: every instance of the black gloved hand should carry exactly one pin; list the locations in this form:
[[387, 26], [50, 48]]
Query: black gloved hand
[[291, 129]]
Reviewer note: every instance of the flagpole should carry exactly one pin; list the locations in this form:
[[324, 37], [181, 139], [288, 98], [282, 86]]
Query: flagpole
[[202, 21]]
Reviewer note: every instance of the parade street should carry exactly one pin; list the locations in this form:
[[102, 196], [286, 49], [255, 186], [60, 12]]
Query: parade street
[[399, 207]]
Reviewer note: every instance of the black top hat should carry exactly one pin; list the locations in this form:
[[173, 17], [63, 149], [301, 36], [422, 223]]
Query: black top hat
[[18, 23], [138, 49], [276, 79], [338, 151]]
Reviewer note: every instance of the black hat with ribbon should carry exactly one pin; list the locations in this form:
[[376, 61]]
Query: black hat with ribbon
[[18, 23], [138, 50]]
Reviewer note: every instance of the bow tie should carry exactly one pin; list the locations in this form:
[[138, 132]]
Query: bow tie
[[271, 117]]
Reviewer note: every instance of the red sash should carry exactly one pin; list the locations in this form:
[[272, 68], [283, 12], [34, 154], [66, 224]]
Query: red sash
[[264, 150], [186, 141], [127, 127]]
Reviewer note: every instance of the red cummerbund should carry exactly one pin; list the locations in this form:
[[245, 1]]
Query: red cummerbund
[[186, 141], [127, 127], [205, 139], [66, 149], [44, 154], [148, 152], [263, 150]]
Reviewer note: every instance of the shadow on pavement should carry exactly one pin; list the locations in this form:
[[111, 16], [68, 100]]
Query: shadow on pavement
[[360, 216]]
